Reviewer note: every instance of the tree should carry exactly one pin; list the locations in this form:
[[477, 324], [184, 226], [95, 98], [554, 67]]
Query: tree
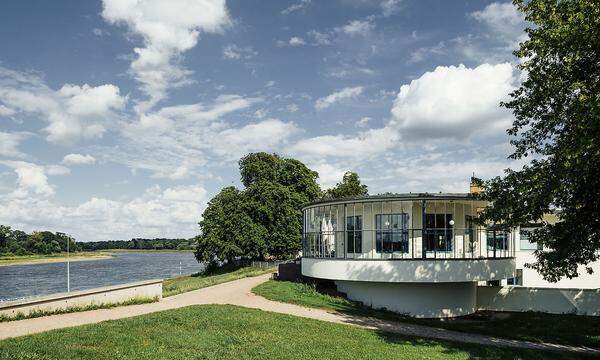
[[349, 187], [5, 234], [228, 231], [557, 126], [265, 219]]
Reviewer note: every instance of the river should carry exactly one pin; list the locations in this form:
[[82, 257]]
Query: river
[[21, 281]]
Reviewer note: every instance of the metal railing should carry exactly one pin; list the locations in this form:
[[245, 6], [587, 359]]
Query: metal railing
[[430, 243]]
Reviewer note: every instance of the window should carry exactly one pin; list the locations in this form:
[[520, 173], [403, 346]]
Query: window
[[438, 232], [354, 233], [524, 243], [391, 233], [497, 239], [470, 233]]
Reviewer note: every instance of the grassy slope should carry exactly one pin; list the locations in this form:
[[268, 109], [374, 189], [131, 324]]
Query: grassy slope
[[229, 332], [183, 284], [58, 257], [532, 326]]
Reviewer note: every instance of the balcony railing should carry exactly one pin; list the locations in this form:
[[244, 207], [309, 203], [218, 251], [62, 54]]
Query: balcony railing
[[430, 243]]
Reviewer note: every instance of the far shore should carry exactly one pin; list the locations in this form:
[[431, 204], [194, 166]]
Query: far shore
[[53, 258]]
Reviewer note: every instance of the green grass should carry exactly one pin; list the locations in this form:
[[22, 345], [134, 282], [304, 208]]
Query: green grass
[[72, 309], [183, 284], [532, 326], [230, 332]]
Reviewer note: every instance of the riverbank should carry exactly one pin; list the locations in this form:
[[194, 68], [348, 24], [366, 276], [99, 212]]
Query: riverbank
[[53, 258]]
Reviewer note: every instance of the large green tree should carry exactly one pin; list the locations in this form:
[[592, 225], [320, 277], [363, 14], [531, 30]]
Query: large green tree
[[556, 128], [265, 219], [349, 187]]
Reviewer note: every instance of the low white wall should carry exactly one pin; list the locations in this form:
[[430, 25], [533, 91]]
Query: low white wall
[[556, 301], [532, 278], [403, 271], [418, 300], [97, 296]]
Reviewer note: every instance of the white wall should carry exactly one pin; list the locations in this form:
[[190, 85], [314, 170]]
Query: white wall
[[532, 278], [557, 301], [418, 300], [424, 271]]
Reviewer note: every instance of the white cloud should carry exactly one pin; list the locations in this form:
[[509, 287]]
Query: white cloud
[[168, 29], [57, 170], [73, 112], [234, 52], [292, 108], [296, 7], [390, 7], [9, 144], [337, 96], [504, 21], [5, 111], [31, 180], [363, 146], [296, 41], [320, 38], [357, 27], [172, 212], [363, 122], [266, 135], [329, 174], [78, 159], [453, 101]]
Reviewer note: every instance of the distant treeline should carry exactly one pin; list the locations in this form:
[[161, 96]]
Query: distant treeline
[[140, 244], [17, 242]]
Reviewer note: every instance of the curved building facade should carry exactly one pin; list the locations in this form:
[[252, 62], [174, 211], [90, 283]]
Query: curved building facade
[[418, 254]]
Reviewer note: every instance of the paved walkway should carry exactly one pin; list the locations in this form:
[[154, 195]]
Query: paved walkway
[[239, 293]]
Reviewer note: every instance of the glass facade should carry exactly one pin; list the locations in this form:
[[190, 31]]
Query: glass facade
[[402, 228]]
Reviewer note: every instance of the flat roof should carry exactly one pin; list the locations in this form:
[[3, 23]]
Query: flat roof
[[394, 196]]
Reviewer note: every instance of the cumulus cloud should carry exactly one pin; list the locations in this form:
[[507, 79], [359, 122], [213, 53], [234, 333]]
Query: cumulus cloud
[[390, 7], [170, 212], [73, 112], [78, 159], [453, 101], [31, 180], [168, 29], [338, 96], [504, 21]]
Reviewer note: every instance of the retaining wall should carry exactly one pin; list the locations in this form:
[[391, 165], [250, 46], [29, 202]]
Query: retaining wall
[[104, 295], [549, 300]]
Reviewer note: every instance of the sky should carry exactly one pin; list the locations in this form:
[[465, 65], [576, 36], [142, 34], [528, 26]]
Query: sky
[[122, 118]]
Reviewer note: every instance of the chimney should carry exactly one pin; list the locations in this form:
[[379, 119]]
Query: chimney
[[475, 187]]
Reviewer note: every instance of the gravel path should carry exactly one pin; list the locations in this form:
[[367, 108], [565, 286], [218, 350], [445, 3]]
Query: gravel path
[[239, 293]]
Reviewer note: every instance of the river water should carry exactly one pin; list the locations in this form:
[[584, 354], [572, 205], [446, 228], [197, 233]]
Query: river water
[[21, 281]]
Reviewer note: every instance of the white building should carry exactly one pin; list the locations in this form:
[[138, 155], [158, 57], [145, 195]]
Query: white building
[[418, 254]]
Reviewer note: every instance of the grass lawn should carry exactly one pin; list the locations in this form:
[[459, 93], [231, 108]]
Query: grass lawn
[[230, 332], [58, 257], [532, 326], [183, 284]]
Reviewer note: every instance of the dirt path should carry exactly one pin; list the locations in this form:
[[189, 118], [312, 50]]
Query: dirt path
[[239, 293]]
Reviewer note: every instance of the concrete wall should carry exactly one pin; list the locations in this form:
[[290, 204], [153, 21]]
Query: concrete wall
[[418, 300], [97, 296], [557, 301], [423, 271]]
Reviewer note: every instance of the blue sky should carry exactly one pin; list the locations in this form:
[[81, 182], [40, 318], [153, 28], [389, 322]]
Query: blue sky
[[122, 118]]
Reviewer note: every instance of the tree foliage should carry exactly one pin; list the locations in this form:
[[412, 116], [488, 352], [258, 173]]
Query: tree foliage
[[349, 187], [262, 221], [557, 125], [17, 242]]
